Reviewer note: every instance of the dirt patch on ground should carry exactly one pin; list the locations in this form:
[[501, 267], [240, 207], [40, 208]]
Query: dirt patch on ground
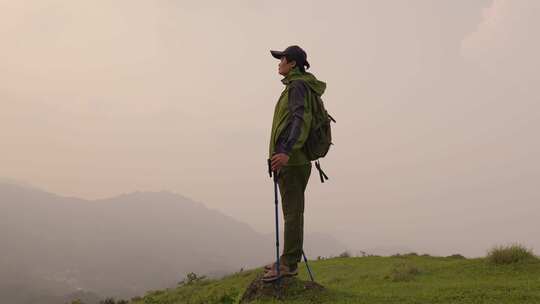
[[285, 288]]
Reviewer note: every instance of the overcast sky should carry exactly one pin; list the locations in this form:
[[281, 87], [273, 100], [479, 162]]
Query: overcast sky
[[437, 106]]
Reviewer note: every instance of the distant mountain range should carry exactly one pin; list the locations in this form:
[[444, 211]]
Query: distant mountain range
[[56, 247]]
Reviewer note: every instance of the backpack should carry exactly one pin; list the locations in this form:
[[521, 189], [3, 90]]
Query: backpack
[[320, 134]]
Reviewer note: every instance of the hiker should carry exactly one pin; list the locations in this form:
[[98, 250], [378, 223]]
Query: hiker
[[290, 129]]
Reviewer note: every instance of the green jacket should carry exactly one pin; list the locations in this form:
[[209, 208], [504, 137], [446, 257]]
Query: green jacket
[[292, 115]]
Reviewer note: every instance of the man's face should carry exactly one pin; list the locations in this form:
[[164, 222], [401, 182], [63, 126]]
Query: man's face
[[285, 67]]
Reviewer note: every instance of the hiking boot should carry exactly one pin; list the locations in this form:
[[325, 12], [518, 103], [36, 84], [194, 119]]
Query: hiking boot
[[269, 266], [284, 271]]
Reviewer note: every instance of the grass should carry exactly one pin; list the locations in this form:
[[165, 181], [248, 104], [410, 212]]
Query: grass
[[402, 272], [374, 280]]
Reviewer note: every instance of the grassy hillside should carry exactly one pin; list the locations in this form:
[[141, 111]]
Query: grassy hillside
[[397, 279]]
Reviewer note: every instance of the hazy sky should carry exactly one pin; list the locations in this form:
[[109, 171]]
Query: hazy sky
[[437, 104]]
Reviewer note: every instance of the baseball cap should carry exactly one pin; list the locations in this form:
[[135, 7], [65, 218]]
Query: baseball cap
[[295, 52]]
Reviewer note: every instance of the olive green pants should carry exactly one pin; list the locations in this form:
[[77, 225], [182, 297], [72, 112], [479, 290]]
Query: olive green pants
[[292, 181]]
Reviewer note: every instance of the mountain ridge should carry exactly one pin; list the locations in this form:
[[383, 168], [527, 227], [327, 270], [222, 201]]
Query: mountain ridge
[[119, 246]]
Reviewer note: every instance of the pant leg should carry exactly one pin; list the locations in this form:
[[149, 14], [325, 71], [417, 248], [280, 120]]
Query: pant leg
[[292, 182]]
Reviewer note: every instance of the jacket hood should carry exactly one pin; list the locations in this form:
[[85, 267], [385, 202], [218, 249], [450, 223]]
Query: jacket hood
[[316, 85]]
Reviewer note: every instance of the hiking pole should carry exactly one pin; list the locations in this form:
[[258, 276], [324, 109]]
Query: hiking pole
[[307, 265], [277, 224]]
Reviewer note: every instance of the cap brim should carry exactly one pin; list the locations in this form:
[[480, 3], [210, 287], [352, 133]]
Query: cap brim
[[277, 54]]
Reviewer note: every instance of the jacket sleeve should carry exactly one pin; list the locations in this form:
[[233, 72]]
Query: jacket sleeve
[[289, 136]]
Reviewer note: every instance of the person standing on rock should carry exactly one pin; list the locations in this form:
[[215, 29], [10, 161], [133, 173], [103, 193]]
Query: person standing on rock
[[290, 128]]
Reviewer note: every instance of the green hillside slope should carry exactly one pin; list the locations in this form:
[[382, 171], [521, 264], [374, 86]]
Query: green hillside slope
[[373, 280]]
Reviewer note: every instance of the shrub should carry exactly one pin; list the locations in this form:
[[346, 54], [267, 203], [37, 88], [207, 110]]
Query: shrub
[[345, 254], [403, 272], [509, 254], [192, 278], [113, 301], [456, 256]]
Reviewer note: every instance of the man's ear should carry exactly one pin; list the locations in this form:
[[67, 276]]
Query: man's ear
[[293, 63]]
